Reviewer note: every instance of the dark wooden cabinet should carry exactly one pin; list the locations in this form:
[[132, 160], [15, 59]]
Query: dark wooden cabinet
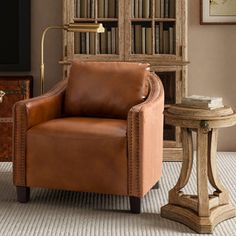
[[12, 90]]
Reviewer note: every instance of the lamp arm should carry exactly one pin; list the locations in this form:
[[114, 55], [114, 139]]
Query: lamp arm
[[42, 69]]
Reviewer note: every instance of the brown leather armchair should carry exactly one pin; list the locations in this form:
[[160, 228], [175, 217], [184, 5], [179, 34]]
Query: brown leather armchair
[[99, 131]]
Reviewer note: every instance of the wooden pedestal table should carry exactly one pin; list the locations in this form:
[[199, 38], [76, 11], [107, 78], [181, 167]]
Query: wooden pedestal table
[[202, 212]]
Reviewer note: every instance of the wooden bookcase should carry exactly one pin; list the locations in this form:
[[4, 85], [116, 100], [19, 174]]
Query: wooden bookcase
[[153, 31]]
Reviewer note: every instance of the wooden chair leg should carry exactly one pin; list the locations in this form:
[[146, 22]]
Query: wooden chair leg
[[23, 194], [156, 186], [135, 205]]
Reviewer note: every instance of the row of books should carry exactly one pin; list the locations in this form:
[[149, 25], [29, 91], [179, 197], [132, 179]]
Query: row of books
[[85, 9], [106, 8], [143, 8], [141, 37], [164, 39], [108, 43], [85, 43]]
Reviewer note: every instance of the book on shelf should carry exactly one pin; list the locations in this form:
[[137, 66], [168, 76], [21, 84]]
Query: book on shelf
[[161, 38], [88, 9], [166, 9], [157, 37], [171, 40], [203, 102], [143, 40], [77, 43], [162, 8], [132, 8], [172, 8], [78, 9], [146, 8], [112, 9], [149, 40], [87, 42], [106, 8], [113, 40], [140, 8], [157, 8], [83, 8], [136, 9], [83, 43], [166, 41], [92, 9], [92, 40], [109, 42], [103, 43], [101, 8], [138, 38]]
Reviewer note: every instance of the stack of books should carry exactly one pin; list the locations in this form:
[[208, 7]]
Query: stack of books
[[203, 102]]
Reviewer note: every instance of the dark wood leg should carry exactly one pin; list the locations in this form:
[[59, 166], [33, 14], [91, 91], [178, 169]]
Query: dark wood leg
[[157, 185], [23, 194], [135, 205]]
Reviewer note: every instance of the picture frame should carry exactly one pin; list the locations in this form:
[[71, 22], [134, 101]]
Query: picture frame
[[221, 12]]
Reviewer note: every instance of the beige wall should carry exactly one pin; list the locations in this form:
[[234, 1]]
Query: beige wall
[[212, 71], [212, 53]]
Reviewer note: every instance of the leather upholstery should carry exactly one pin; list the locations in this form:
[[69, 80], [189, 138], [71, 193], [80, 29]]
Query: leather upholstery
[[104, 89], [93, 146], [92, 154]]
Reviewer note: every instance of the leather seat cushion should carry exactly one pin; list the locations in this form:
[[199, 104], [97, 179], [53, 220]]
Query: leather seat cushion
[[81, 154], [105, 89]]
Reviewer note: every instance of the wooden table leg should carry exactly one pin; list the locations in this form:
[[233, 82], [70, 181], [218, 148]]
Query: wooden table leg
[[186, 166], [202, 180], [221, 192]]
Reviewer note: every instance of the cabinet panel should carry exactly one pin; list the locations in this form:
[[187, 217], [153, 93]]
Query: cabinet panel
[[91, 46]]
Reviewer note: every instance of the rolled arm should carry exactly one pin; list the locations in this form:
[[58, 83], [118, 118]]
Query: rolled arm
[[29, 113], [145, 140]]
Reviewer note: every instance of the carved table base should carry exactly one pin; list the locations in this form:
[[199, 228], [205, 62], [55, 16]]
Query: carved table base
[[202, 212], [203, 225]]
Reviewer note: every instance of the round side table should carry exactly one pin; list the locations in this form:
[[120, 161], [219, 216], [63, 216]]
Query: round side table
[[201, 212]]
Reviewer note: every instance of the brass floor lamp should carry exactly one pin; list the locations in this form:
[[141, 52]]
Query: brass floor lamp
[[73, 27]]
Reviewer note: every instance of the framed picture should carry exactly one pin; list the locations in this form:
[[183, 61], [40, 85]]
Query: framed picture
[[218, 11]]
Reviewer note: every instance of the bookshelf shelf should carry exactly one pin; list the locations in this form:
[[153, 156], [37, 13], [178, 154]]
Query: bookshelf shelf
[[84, 20], [148, 31], [165, 19], [141, 19], [107, 19]]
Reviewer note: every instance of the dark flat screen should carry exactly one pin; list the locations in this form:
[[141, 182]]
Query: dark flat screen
[[15, 35], [9, 24]]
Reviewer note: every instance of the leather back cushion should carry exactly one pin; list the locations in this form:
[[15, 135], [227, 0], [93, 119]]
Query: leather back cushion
[[105, 89]]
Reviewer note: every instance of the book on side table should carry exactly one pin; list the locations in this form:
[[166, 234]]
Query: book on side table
[[203, 102]]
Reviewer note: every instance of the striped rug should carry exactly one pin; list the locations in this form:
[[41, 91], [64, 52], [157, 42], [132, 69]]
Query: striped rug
[[62, 213]]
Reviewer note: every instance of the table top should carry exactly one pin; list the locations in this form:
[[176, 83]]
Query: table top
[[183, 116]]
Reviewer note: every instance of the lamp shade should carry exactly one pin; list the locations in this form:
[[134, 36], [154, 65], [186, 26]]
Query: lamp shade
[[85, 27]]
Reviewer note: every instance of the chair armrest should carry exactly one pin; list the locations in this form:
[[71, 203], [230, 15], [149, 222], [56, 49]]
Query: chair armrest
[[145, 140], [41, 109], [28, 113]]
